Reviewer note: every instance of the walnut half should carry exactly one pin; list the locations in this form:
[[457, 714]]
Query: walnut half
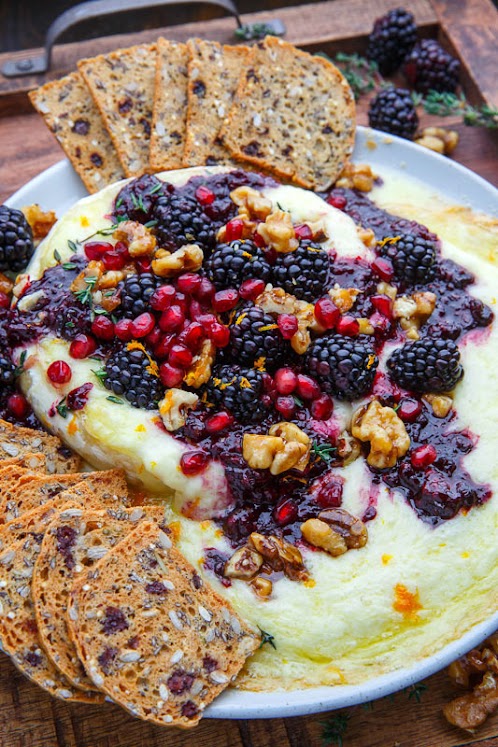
[[385, 431], [285, 447], [336, 531], [280, 555]]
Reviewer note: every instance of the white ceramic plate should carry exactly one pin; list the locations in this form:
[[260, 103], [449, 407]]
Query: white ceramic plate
[[59, 187]]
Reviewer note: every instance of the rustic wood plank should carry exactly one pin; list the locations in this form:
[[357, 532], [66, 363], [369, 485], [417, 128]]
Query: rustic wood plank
[[327, 25]]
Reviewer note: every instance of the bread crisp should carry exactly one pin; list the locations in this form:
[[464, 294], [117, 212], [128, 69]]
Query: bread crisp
[[152, 635], [34, 462], [73, 543], [214, 73], [18, 628], [122, 86], [167, 141], [293, 115], [72, 116], [16, 441]]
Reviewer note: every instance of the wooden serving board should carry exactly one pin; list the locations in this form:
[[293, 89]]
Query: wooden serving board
[[413, 718]]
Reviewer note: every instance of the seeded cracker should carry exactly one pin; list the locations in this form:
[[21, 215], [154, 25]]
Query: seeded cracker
[[16, 441], [73, 543], [167, 141], [214, 73], [152, 635], [122, 86], [34, 462], [71, 115], [18, 628], [293, 115]]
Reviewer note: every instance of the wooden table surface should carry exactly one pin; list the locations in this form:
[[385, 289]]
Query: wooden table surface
[[412, 718]]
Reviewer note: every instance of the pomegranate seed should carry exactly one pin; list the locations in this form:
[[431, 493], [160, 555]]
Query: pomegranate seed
[[286, 406], [103, 328], [380, 323], [59, 372], [285, 380], [122, 249], [143, 325], [97, 249], [82, 346], [77, 398], [162, 298], [219, 334], [193, 462], [383, 268], [337, 201], [204, 195], [307, 388], [423, 456], [348, 325], [409, 409], [326, 313], [180, 356], [385, 389], [328, 493], [383, 305], [188, 283], [162, 348], [192, 336], [234, 229], [322, 407], [268, 383], [4, 300], [251, 289], [122, 330], [18, 405], [303, 231], [285, 512], [369, 514], [154, 337], [171, 319], [180, 300], [113, 261], [225, 300], [143, 265], [287, 324], [205, 291], [218, 422], [258, 240], [170, 375]]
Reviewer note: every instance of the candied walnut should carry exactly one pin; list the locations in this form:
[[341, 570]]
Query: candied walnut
[[94, 269], [413, 311], [278, 232], [262, 586], [110, 279], [356, 176], [40, 221], [21, 285], [141, 242], [251, 203], [186, 259], [349, 527], [260, 450], [6, 285], [174, 406], [438, 139], [365, 326], [280, 555], [343, 298], [348, 448], [285, 447], [320, 534], [471, 710], [292, 436], [366, 236], [385, 289], [244, 563], [200, 370], [384, 430], [277, 301], [441, 404]]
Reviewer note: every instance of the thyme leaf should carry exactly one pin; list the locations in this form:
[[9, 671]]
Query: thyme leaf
[[116, 400], [19, 369], [101, 374], [250, 31], [324, 451], [84, 295], [57, 255], [267, 638], [73, 246], [62, 408], [444, 104]]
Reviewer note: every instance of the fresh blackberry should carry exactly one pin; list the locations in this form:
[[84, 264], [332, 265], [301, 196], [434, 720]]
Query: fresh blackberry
[[343, 366], [137, 199], [413, 258], [426, 365], [304, 272], [253, 335], [430, 67], [238, 390], [136, 291], [132, 374], [16, 240], [182, 220], [393, 111], [7, 370], [230, 264], [392, 38]]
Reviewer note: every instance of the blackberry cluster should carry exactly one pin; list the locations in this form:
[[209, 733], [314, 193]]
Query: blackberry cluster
[[136, 291], [430, 67], [237, 390], [230, 264], [426, 365], [344, 367], [137, 199], [303, 273], [253, 335], [16, 240], [392, 110], [130, 374], [7, 370], [392, 38], [182, 220], [413, 258]]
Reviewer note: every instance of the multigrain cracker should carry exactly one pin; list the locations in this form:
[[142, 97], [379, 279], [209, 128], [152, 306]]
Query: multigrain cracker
[[16, 441]]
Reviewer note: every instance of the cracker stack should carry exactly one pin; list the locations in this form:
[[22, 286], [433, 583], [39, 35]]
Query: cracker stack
[[169, 105]]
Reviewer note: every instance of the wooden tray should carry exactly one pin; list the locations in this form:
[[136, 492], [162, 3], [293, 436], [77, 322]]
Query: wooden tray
[[28, 717]]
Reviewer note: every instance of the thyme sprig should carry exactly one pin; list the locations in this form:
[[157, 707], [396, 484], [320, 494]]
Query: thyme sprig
[[443, 104], [326, 452], [362, 74], [250, 31], [267, 638], [84, 295], [334, 729]]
